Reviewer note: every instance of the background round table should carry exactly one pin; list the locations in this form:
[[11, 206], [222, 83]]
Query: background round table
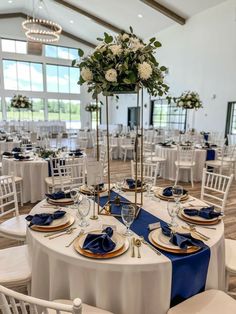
[[33, 174], [168, 171], [8, 146], [122, 284]]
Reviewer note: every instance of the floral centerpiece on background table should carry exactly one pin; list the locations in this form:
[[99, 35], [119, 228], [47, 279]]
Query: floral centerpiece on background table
[[189, 100], [21, 102], [121, 64], [91, 107]]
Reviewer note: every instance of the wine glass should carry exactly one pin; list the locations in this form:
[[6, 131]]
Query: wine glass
[[177, 192], [74, 194], [148, 184], [83, 211], [172, 211], [128, 215]]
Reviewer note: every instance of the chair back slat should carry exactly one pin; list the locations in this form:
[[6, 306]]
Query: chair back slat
[[185, 154], [23, 307], [13, 305], [149, 171], [72, 174], [8, 196]]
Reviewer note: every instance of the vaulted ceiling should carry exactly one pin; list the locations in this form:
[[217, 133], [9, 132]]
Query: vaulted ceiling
[[88, 19]]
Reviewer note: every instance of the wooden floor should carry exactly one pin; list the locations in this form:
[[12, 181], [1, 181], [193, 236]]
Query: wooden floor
[[122, 169]]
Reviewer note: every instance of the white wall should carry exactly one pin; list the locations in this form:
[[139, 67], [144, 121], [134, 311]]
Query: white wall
[[201, 56]]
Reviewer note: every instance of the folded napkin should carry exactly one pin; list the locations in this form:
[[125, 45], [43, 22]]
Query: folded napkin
[[182, 240], [131, 183], [20, 157], [205, 212], [76, 153], [7, 154], [100, 243], [16, 150], [44, 219], [165, 144], [99, 187], [58, 195], [168, 191]]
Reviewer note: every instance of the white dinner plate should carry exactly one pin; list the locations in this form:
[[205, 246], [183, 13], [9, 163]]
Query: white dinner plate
[[57, 222]]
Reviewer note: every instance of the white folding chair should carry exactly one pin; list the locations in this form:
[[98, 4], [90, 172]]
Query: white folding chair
[[127, 145], [185, 161], [15, 269], [215, 189], [15, 227], [225, 160], [11, 301], [149, 171], [72, 174], [207, 302], [230, 263]]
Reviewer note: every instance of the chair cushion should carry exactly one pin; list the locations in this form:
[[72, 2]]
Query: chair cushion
[[57, 181], [185, 164], [14, 227], [230, 255], [18, 179], [217, 163], [156, 159], [14, 266], [86, 309], [207, 302]]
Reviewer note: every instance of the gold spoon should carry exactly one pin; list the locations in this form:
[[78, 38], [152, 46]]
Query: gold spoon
[[138, 243]]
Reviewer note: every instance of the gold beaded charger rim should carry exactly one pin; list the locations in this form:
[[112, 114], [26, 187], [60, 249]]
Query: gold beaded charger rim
[[84, 189], [122, 245], [69, 223], [61, 202], [198, 222]]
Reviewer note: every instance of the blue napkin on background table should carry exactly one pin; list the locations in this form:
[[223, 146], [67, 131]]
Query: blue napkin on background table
[[131, 183], [44, 219], [16, 150], [182, 240], [76, 153], [58, 195], [100, 243], [20, 157], [168, 191], [7, 154], [205, 212]]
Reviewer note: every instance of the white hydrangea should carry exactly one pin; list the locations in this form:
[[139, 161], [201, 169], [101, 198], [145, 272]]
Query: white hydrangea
[[144, 70], [189, 103], [111, 75], [180, 103], [135, 44], [86, 74], [116, 49]]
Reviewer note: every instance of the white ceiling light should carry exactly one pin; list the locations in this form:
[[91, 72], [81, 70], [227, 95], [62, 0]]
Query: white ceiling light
[[71, 22], [10, 1], [41, 30], [140, 16]]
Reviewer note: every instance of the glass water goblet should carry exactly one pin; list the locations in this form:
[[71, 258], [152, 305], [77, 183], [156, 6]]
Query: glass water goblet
[[177, 192], [128, 215], [148, 184], [83, 211], [172, 209], [74, 194]]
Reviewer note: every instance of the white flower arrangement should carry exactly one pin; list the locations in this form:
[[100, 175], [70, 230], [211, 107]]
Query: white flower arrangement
[[21, 102], [121, 64], [189, 100], [91, 107]]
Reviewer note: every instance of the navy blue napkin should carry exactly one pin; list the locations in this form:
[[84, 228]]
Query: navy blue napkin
[[76, 153], [131, 183], [58, 195], [205, 212], [7, 154], [16, 150], [100, 243], [182, 240], [20, 157], [99, 187], [44, 219], [168, 191]]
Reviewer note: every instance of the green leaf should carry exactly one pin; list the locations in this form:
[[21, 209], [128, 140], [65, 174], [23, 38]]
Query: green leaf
[[80, 52], [152, 40], [73, 62], [163, 68], [157, 44], [99, 39], [131, 29], [126, 81]]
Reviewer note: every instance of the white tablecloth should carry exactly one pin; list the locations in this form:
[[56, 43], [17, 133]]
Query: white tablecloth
[[123, 285], [168, 171], [33, 174]]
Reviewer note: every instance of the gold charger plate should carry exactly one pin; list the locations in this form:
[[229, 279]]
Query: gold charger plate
[[61, 202], [154, 238], [197, 218], [125, 188], [62, 227], [198, 222], [120, 249], [159, 194], [84, 189]]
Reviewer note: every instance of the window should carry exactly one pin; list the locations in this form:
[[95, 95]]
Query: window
[[164, 115], [16, 46], [94, 121], [53, 109], [38, 109], [231, 119], [21, 75], [60, 52], [62, 79]]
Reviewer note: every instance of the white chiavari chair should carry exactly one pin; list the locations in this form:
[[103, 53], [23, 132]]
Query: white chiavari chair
[[230, 263], [149, 171], [215, 189], [207, 302], [231, 139], [82, 144], [72, 174], [127, 145], [12, 301], [224, 161], [185, 161]]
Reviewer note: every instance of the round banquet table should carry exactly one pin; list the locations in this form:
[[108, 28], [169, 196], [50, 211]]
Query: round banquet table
[[33, 174], [168, 171], [123, 284]]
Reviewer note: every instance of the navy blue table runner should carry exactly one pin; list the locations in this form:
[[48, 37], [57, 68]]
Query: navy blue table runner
[[189, 271]]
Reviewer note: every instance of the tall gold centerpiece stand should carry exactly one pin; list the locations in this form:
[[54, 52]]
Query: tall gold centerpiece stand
[[138, 148]]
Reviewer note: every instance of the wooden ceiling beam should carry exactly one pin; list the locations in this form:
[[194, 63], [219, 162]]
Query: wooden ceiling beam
[[64, 33], [89, 15], [165, 11]]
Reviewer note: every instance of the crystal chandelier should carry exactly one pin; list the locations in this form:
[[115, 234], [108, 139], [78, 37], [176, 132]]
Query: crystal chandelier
[[41, 30]]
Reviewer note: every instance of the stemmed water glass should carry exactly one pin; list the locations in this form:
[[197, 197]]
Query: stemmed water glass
[[172, 211], [74, 194], [128, 215], [177, 192], [83, 211], [148, 184]]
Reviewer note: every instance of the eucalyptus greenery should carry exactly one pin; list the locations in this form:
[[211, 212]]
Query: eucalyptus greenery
[[122, 64]]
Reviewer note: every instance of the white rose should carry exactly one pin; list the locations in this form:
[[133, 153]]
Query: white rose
[[189, 97], [144, 70], [180, 103], [116, 49], [189, 103], [125, 36], [135, 44], [111, 75], [22, 105], [86, 74]]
